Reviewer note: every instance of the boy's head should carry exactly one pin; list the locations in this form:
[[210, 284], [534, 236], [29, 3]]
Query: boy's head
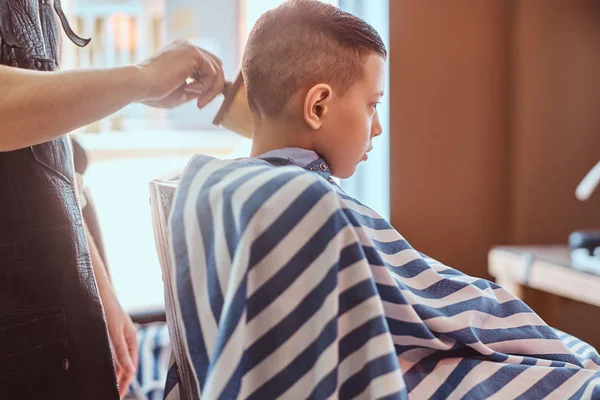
[[314, 75]]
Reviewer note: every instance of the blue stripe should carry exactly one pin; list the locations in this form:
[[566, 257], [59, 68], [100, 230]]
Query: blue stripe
[[268, 189], [487, 336], [568, 358], [189, 312], [350, 255], [579, 394], [359, 220], [172, 380], [232, 389], [455, 378], [402, 395], [283, 380], [326, 387], [414, 329], [229, 322], [289, 325], [482, 304], [358, 382], [391, 248], [359, 337], [230, 222], [373, 256], [548, 384], [497, 381], [272, 235], [355, 295], [205, 222], [410, 269], [440, 289], [391, 294], [142, 334], [273, 288], [157, 349]]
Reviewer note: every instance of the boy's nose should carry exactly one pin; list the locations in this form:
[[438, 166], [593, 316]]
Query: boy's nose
[[376, 129]]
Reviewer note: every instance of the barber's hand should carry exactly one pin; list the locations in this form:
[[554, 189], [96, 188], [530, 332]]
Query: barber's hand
[[123, 338], [163, 77]]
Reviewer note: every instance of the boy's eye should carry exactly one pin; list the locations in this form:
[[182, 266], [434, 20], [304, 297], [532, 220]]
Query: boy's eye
[[374, 105]]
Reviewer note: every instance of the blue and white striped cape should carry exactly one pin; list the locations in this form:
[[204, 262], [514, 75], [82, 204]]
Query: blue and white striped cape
[[289, 288]]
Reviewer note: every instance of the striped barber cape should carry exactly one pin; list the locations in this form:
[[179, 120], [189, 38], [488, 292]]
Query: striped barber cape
[[289, 288]]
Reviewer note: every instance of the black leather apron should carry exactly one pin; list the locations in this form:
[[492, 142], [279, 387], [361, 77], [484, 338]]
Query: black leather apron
[[53, 338]]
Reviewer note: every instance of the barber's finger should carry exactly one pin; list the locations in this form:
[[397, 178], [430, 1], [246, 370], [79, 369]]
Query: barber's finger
[[218, 66], [213, 57], [205, 66], [210, 94], [205, 84], [123, 357], [206, 98]]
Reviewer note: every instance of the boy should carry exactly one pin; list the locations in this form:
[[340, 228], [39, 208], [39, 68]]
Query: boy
[[288, 287]]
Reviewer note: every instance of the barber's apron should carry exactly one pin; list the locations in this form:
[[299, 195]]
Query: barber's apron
[[53, 338]]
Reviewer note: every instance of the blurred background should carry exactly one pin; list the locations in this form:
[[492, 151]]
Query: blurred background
[[139, 143], [491, 119]]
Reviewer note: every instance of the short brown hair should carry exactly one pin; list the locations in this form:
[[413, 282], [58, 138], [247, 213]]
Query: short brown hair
[[302, 43]]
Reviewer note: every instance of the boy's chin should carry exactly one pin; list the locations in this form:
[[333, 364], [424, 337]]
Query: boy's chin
[[344, 173]]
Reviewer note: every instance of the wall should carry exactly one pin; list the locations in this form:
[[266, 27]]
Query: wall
[[494, 120]]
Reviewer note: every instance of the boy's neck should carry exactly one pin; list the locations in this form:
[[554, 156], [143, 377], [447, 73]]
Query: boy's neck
[[273, 136]]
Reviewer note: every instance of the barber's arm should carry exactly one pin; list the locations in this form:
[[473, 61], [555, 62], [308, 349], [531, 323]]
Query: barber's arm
[[39, 106], [121, 330]]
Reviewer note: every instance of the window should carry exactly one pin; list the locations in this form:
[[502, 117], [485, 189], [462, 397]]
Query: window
[[138, 144]]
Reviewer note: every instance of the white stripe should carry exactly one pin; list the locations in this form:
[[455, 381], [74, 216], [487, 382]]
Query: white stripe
[[465, 294], [382, 386], [400, 259], [430, 384], [411, 357], [261, 220], [521, 383], [591, 386], [292, 242], [264, 217], [357, 316], [364, 211], [383, 235], [216, 204], [224, 367], [442, 343], [375, 347], [174, 393], [401, 312], [474, 377], [503, 296], [422, 281], [291, 348], [577, 347], [196, 257], [572, 385], [529, 346], [280, 308], [326, 363], [248, 188], [481, 320]]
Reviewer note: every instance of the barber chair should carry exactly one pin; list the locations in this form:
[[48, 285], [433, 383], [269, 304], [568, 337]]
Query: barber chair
[[162, 193]]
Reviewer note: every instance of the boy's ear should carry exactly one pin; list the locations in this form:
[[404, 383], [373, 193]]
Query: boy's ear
[[316, 105]]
